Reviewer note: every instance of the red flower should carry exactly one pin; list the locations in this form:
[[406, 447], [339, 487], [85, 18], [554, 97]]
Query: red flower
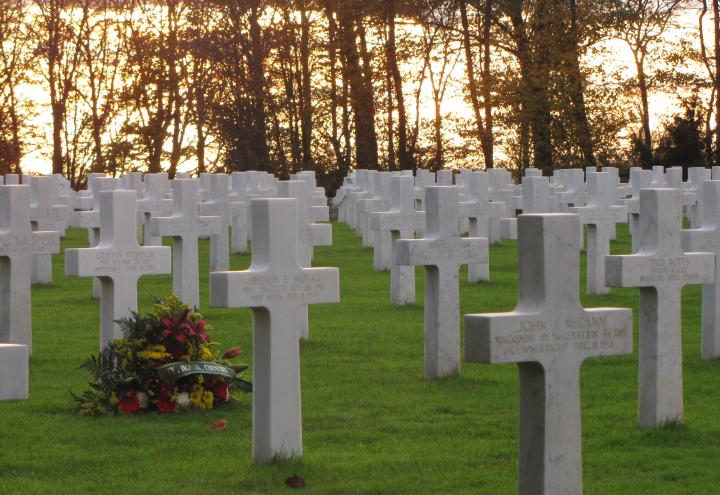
[[166, 406], [231, 353], [175, 327], [162, 390], [180, 328], [221, 391], [198, 330], [131, 403]]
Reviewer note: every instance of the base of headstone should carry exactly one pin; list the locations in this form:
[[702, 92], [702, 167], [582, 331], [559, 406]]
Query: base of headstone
[[14, 372]]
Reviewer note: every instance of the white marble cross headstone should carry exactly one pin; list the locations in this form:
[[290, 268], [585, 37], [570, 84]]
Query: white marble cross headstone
[[658, 176], [90, 219], [696, 177], [186, 227], [117, 260], [154, 204], [219, 204], [442, 251], [549, 335], [18, 245], [276, 287], [483, 219], [12, 179], [660, 269], [382, 240], [309, 235], [706, 238], [639, 179], [403, 221], [536, 195], [423, 179], [363, 227], [444, 177], [601, 215], [574, 193], [46, 214], [14, 370], [240, 229]]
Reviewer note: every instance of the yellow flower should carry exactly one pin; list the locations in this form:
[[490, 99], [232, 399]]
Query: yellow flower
[[196, 396], [206, 354], [156, 352], [207, 399]]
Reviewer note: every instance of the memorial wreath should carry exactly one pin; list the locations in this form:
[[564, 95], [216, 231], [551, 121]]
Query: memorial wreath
[[165, 362]]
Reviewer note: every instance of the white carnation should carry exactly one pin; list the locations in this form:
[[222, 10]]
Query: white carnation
[[143, 398], [183, 399]]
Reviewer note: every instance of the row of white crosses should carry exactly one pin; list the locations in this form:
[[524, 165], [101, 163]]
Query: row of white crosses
[[18, 245], [189, 222], [549, 334]]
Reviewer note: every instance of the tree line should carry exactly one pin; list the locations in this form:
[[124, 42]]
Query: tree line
[[332, 85]]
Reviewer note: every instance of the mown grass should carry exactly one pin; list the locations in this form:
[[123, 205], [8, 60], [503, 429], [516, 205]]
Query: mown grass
[[371, 423]]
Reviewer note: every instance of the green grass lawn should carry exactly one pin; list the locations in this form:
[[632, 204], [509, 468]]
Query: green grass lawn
[[371, 423]]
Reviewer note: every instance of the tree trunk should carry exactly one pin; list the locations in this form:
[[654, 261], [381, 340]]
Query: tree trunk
[[534, 72], [405, 158], [361, 96], [332, 62], [576, 86], [16, 145], [645, 105], [439, 160], [716, 28], [56, 104], [257, 75], [391, 161], [472, 82], [306, 108], [488, 141]]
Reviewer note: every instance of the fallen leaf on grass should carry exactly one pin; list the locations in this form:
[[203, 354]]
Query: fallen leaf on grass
[[295, 481], [218, 425]]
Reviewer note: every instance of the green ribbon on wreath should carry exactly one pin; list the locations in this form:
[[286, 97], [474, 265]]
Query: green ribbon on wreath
[[173, 372]]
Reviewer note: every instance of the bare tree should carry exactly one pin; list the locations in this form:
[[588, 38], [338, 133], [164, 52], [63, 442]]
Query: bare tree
[[642, 24]]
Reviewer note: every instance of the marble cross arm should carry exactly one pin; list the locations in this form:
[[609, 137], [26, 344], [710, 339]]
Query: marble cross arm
[[591, 215], [703, 239], [131, 263], [632, 205], [83, 202], [46, 242], [518, 337], [429, 252], [319, 214], [253, 289], [484, 209], [389, 220], [31, 243], [57, 213], [85, 219], [180, 227], [321, 234], [638, 270], [158, 207]]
